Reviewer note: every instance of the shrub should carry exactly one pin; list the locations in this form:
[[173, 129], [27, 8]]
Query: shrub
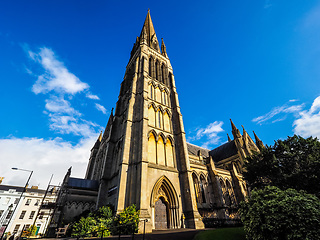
[[126, 222], [275, 214], [94, 224], [85, 227]]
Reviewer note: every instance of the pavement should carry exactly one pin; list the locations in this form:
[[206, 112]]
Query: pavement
[[172, 234]]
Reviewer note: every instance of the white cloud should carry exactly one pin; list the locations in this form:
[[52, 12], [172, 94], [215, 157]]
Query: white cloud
[[60, 105], [44, 157], [101, 108], [56, 77], [308, 123], [92, 96], [60, 84], [208, 134], [65, 124], [280, 110]]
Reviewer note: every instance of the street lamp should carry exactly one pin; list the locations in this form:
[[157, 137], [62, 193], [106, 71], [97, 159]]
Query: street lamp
[[24, 189]]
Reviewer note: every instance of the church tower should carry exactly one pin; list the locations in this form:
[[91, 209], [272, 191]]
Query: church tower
[[142, 156]]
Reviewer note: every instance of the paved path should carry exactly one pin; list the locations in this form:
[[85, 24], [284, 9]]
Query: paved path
[[179, 234], [176, 234]]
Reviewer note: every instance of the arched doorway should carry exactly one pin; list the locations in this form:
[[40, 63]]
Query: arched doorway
[[165, 205], [161, 214]]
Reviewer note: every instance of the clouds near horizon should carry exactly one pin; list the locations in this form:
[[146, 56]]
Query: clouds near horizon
[[63, 93], [44, 157]]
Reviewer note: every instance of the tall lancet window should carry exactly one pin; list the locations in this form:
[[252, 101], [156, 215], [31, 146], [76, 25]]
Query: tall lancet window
[[163, 74], [151, 91], [164, 98], [157, 70], [150, 66], [159, 119]]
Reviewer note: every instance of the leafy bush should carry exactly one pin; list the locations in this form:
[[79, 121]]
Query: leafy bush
[[94, 224], [126, 222], [275, 214], [84, 227]]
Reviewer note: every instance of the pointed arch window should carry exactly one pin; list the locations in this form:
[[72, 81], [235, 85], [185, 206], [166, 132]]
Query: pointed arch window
[[203, 188], [157, 70], [166, 122], [142, 65], [150, 66], [152, 148], [163, 80], [164, 98], [159, 119], [230, 192], [169, 154], [225, 193], [196, 187], [151, 91], [170, 80]]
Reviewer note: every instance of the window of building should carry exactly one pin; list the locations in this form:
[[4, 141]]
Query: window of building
[[41, 215], [9, 214], [6, 202], [16, 228], [27, 227], [16, 201], [159, 119], [28, 201], [22, 214], [37, 202], [32, 214], [1, 212]]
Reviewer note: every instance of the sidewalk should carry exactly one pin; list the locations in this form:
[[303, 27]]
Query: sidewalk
[[172, 234]]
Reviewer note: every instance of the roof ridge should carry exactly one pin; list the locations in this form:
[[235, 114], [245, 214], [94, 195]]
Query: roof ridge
[[198, 146]]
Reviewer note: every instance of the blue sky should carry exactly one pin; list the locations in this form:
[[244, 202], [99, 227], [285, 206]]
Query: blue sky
[[62, 62]]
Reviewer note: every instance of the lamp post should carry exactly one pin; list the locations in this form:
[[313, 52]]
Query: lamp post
[[24, 189]]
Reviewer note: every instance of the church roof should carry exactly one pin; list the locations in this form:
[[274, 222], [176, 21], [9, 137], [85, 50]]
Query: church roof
[[193, 150], [226, 150], [83, 183]]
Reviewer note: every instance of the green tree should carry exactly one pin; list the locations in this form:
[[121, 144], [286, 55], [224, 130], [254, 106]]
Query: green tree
[[126, 222], [271, 213], [94, 224], [291, 163]]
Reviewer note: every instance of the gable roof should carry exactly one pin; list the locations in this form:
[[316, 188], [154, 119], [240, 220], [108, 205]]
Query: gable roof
[[226, 150], [193, 150]]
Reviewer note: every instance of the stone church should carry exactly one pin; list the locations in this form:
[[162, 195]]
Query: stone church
[[143, 157]]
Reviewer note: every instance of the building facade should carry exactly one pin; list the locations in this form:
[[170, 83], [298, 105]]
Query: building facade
[[34, 207], [143, 157]]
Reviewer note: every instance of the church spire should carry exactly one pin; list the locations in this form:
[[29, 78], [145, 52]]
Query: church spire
[[245, 134], [163, 48], [259, 143], [235, 130], [149, 33], [229, 139]]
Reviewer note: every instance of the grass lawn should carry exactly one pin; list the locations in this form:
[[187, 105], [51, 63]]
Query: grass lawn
[[222, 234]]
